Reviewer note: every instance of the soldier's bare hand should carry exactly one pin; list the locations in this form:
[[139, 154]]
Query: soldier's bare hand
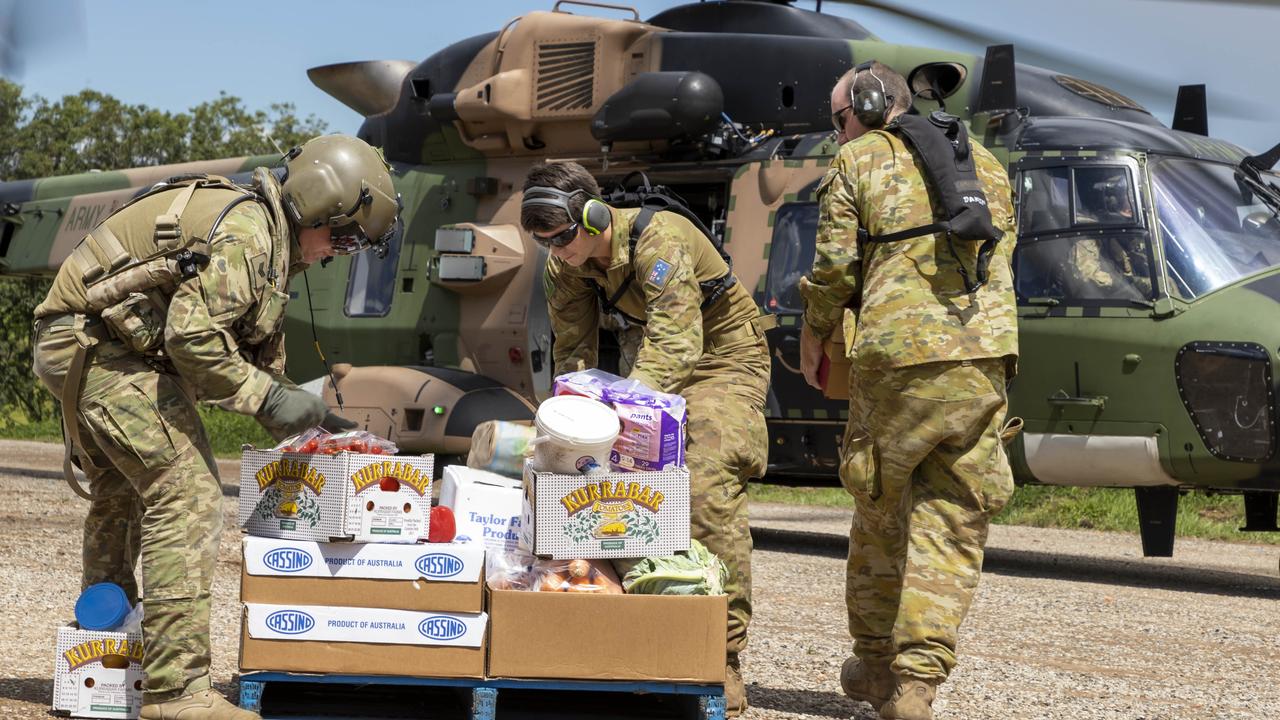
[[810, 356]]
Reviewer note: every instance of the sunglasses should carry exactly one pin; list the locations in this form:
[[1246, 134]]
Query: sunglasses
[[837, 117], [560, 239]]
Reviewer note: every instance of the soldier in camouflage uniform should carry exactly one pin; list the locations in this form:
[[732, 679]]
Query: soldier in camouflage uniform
[[129, 359], [921, 453], [710, 350]]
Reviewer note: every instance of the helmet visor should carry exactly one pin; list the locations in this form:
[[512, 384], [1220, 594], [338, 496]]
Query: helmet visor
[[349, 239]]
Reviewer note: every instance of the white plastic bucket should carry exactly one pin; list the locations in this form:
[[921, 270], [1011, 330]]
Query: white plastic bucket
[[575, 434]]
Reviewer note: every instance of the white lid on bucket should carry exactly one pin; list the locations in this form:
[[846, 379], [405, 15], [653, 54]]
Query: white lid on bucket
[[577, 420]]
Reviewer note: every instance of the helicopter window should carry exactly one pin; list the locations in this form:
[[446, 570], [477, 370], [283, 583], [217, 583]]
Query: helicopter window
[[1045, 200], [372, 282], [1215, 230], [1103, 196], [1060, 198], [795, 229], [1113, 267]]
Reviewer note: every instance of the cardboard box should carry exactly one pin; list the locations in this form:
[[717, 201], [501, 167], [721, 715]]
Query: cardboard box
[[429, 576], [607, 637], [605, 515], [486, 506], [833, 373], [362, 641], [335, 497], [98, 674]]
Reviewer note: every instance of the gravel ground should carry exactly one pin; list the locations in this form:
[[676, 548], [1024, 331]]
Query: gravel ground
[[1067, 625]]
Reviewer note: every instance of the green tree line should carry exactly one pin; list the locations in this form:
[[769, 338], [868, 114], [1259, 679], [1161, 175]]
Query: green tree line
[[95, 131]]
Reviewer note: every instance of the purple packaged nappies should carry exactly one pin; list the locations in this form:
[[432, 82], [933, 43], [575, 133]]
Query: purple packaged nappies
[[652, 435]]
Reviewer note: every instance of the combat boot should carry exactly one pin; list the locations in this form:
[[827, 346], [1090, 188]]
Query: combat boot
[[912, 700], [869, 682], [204, 705], [735, 693]]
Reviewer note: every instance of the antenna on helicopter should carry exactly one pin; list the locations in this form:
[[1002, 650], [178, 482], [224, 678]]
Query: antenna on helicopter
[[1191, 112]]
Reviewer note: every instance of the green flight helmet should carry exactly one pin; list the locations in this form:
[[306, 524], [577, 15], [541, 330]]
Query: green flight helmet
[[342, 182]]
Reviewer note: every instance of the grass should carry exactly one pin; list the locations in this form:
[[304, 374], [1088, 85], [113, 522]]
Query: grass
[[1212, 517], [227, 431]]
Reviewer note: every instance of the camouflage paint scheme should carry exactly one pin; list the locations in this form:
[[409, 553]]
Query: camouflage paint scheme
[[146, 456], [716, 358], [922, 456], [461, 169]]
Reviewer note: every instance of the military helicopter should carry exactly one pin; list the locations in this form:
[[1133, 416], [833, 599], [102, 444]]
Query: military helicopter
[[1146, 270]]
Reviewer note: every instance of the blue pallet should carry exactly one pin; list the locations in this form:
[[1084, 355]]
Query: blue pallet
[[484, 693]]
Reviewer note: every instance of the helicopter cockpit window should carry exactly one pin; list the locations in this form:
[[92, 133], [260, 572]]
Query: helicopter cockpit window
[[1092, 268], [1056, 199], [1103, 196], [795, 229], [1082, 239], [1215, 229], [372, 282]]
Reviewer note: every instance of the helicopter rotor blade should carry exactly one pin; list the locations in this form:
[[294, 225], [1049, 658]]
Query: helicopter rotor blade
[[1134, 83], [26, 27]]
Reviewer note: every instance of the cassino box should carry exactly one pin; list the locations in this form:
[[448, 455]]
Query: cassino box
[[430, 576], [605, 515], [365, 641], [347, 496], [98, 674]]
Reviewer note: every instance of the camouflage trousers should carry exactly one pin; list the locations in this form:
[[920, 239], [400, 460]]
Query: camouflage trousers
[[156, 495], [923, 460], [728, 444]]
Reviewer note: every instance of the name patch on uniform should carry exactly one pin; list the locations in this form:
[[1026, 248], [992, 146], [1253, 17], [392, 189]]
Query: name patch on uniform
[[658, 275]]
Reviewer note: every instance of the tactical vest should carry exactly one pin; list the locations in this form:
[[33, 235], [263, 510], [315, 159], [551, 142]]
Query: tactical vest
[[946, 161], [129, 287], [114, 292]]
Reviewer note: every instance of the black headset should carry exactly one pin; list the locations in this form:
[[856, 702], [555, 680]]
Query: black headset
[[869, 106], [595, 214]]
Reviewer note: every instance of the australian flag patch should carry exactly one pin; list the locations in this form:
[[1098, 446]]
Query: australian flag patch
[[658, 275]]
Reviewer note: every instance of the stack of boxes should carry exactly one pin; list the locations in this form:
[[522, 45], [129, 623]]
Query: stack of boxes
[[614, 515], [335, 578]]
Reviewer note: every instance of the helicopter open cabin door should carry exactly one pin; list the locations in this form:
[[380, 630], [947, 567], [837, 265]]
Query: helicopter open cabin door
[[772, 205], [1089, 293]]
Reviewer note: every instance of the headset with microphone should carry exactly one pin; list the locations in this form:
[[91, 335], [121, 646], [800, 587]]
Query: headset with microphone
[[870, 105], [595, 214]]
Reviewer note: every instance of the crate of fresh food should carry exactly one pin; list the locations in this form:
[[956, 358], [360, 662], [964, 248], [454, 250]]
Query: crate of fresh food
[[344, 486]]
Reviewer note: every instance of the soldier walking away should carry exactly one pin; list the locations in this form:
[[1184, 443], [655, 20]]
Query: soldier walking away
[[703, 337], [933, 341], [179, 297]]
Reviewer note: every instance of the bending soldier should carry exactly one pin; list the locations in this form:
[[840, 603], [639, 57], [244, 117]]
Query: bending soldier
[[702, 338], [179, 297], [921, 454]]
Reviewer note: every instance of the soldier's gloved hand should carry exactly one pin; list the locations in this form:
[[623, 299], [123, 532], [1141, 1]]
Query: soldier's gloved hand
[[335, 423], [290, 410]]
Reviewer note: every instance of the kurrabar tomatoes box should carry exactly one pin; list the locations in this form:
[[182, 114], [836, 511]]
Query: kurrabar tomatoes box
[[426, 576], [97, 674], [605, 515], [346, 496]]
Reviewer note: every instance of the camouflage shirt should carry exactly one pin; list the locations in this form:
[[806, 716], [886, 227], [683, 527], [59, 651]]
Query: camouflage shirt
[[672, 257], [216, 320], [907, 298]]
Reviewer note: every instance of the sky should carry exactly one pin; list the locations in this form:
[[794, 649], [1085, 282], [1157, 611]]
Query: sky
[[172, 54]]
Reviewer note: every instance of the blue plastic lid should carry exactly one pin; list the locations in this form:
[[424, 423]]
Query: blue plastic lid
[[102, 607]]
